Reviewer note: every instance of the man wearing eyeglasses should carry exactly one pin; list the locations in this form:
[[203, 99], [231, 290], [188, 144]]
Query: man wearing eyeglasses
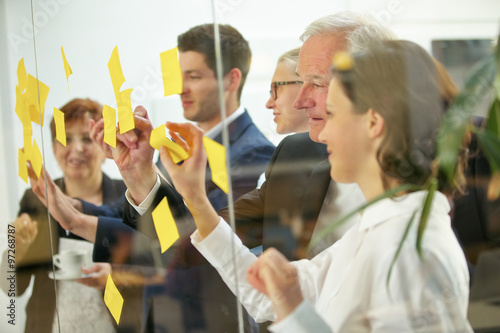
[[298, 199]]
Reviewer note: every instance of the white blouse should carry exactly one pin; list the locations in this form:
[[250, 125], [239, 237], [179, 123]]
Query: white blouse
[[345, 285]]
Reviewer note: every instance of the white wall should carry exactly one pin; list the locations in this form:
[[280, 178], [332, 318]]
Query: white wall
[[89, 30]]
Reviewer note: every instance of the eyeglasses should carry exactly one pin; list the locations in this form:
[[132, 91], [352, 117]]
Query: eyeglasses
[[274, 87]]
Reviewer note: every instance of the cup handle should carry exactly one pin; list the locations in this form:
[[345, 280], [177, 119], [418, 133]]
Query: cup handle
[[57, 261]]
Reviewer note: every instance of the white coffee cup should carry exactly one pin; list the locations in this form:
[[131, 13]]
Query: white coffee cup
[[70, 262]]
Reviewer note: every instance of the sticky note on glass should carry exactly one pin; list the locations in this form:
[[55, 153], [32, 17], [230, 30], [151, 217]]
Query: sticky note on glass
[[165, 226], [22, 76], [171, 72], [109, 117], [113, 299], [28, 146], [158, 139], [115, 71], [60, 127], [32, 91], [125, 113], [67, 69], [21, 107], [216, 155], [36, 159], [23, 168]]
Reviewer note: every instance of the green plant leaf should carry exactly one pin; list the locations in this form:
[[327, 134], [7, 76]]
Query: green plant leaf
[[400, 246], [490, 144], [497, 56], [452, 130], [493, 124], [426, 209], [387, 194]]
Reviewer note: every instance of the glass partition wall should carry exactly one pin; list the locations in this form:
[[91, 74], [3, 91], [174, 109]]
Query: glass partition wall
[[80, 62]]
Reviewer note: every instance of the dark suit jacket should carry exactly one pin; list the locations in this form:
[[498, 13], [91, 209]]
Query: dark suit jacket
[[297, 179], [37, 261], [249, 153]]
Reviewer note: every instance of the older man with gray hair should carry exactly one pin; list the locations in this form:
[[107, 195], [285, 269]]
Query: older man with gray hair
[[298, 198]]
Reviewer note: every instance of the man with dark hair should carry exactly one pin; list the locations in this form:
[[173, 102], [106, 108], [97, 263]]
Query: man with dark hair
[[249, 150], [235, 49]]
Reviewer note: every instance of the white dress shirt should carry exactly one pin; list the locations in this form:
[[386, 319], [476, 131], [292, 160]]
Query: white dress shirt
[[346, 284], [340, 200]]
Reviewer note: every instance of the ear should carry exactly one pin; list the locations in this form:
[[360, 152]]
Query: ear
[[232, 80], [376, 124]]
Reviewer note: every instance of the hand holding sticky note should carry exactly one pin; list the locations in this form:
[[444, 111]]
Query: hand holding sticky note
[[158, 139]]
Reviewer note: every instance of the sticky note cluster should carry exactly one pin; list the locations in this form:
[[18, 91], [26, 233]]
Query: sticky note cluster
[[125, 113], [31, 95]]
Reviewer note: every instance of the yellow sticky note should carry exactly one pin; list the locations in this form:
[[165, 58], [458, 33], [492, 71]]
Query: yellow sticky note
[[36, 111], [22, 76], [109, 117], [216, 155], [113, 299], [115, 71], [28, 146], [60, 126], [67, 69], [20, 107], [36, 159], [125, 113], [165, 226], [171, 72], [158, 139], [23, 168]]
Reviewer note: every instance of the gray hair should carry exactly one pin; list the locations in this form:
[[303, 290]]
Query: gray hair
[[360, 29], [290, 57]]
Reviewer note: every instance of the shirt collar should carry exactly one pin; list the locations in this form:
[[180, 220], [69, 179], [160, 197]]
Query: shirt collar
[[214, 131], [389, 208]]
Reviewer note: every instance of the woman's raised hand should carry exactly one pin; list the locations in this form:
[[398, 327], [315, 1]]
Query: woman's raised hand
[[273, 275]]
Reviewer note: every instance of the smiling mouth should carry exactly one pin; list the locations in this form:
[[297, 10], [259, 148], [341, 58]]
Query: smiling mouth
[[76, 161], [315, 119]]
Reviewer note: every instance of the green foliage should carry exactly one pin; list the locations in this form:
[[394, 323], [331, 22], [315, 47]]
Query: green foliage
[[493, 124], [426, 209], [400, 246], [490, 143], [457, 119]]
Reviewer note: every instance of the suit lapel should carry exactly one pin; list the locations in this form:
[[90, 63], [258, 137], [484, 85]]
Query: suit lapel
[[316, 191]]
